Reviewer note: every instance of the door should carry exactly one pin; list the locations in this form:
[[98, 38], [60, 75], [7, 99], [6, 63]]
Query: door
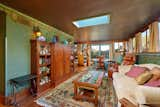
[[58, 58], [67, 54]]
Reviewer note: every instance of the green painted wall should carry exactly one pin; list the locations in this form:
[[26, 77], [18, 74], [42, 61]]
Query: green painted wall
[[15, 51], [18, 49], [2, 53]]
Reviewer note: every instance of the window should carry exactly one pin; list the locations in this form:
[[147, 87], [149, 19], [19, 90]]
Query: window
[[95, 48], [159, 29], [134, 44], [145, 40], [94, 51], [118, 46], [105, 50], [100, 49]]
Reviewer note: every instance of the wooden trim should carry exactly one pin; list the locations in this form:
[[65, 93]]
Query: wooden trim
[[99, 42], [2, 99]]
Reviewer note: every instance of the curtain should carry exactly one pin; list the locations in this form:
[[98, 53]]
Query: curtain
[[130, 45], [154, 37], [138, 43], [111, 51], [124, 46]]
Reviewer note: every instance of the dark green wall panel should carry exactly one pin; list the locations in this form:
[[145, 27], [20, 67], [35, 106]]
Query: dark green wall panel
[[145, 58]]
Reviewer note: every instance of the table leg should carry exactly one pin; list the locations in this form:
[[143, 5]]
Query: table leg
[[96, 97], [75, 91], [15, 104], [33, 87]]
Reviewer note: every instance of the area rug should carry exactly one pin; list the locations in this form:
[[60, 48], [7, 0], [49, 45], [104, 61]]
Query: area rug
[[61, 96]]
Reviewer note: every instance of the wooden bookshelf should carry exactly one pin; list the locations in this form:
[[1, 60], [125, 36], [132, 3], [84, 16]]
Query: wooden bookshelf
[[52, 63], [41, 64]]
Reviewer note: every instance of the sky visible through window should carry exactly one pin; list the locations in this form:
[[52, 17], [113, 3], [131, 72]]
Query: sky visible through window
[[95, 47], [104, 47], [117, 45], [159, 30], [92, 21]]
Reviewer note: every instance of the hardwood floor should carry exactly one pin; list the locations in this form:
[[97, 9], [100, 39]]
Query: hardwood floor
[[27, 102]]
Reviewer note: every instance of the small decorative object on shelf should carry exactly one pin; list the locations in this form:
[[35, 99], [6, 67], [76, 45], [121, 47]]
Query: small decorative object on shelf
[[65, 42], [54, 40], [41, 38]]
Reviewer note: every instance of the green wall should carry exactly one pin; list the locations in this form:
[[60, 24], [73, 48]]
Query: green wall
[[145, 58], [18, 49], [15, 44]]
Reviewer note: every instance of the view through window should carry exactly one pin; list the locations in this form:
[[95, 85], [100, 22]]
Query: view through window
[[118, 46], [100, 49], [145, 40]]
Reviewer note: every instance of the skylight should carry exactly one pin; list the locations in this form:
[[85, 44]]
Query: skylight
[[92, 21]]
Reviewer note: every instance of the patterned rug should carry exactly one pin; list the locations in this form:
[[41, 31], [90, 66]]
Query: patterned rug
[[61, 96]]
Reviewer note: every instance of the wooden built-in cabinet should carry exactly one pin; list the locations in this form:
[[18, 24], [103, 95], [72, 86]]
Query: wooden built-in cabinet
[[51, 63], [62, 63]]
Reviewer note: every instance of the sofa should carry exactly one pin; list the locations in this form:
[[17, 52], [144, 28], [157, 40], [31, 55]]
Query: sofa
[[127, 87]]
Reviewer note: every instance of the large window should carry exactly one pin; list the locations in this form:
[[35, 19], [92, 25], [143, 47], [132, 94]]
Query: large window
[[159, 30], [118, 46], [100, 49], [105, 50], [145, 40], [134, 44]]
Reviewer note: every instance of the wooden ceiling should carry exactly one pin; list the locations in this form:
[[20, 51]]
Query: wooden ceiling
[[127, 16]]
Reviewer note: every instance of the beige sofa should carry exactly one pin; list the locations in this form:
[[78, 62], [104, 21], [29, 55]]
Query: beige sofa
[[128, 88]]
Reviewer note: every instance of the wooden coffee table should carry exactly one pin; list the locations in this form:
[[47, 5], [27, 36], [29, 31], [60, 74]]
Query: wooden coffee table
[[86, 86]]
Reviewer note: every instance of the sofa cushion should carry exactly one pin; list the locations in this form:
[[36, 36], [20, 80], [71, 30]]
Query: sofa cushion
[[153, 83], [156, 71], [156, 74], [124, 68], [144, 77], [150, 66], [154, 78], [135, 71]]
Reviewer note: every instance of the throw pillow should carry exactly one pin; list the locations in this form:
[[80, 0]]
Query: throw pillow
[[135, 71], [156, 74], [156, 71], [154, 78], [153, 83], [144, 77]]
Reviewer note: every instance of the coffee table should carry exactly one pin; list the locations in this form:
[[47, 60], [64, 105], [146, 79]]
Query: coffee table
[[86, 86]]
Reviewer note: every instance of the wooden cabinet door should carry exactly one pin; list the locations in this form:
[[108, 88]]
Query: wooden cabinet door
[[67, 54], [58, 58]]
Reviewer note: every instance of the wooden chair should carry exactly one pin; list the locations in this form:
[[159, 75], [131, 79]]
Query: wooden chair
[[112, 67], [129, 59], [101, 62]]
